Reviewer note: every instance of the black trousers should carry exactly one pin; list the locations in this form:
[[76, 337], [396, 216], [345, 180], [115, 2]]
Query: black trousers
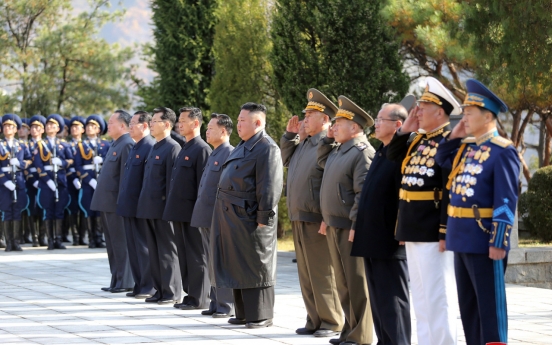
[[389, 298], [163, 256], [193, 248], [138, 255], [482, 297], [254, 304], [117, 253], [222, 299]]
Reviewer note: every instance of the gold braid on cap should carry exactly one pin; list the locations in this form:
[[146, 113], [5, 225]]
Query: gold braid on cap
[[94, 122], [349, 115], [472, 99], [315, 106], [429, 97], [10, 122], [38, 123]]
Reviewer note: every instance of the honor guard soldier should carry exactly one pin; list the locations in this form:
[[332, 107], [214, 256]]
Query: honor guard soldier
[[483, 187], [314, 265], [218, 135], [52, 157], [77, 221], [36, 221], [27, 234], [345, 168], [14, 158], [422, 213], [193, 245], [88, 163]]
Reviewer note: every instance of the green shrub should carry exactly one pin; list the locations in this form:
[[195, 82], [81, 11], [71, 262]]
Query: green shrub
[[535, 206]]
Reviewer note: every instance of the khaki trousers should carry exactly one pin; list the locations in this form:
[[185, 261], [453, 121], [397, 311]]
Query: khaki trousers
[[316, 277], [350, 277]]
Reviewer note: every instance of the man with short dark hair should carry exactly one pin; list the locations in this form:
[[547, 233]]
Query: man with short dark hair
[[374, 239], [184, 184], [163, 253], [218, 135], [246, 216], [105, 201]]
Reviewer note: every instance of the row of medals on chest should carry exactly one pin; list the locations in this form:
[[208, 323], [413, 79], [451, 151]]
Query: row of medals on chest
[[472, 164], [421, 163]]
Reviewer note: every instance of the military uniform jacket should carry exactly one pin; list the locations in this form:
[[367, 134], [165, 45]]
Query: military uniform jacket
[[345, 167], [379, 205], [30, 173], [486, 175], [421, 220], [207, 193], [71, 173], [304, 176], [42, 156], [84, 154], [131, 183], [157, 178], [107, 190], [185, 177], [249, 190], [7, 152]]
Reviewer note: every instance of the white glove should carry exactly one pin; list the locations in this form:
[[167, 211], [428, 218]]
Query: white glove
[[35, 184], [15, 161], [10, 185], [56, 161], [52, 185], [77, 184], [93, 183], [98, 160]]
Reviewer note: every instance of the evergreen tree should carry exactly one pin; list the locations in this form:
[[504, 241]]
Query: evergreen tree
[[338, 46], [182, 54]]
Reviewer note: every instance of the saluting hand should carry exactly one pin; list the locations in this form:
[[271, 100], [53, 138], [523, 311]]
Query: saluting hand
[[293, 124], [411, 123], [497, 253], [330, 132], [459, 131]]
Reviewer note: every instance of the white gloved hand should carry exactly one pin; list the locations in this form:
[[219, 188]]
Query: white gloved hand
[[77, 184], [93, 183], [15, 161], [56, 161], [98, 160], [35, 184], [52, 185], [10, 185]]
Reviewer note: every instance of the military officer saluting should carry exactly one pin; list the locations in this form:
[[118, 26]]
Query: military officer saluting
[[345, 168], [14, 157], [88, 163], [483, 188], [51, 158], [422, 213]]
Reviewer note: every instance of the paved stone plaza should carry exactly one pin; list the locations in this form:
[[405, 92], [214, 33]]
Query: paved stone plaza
[[54, 297]]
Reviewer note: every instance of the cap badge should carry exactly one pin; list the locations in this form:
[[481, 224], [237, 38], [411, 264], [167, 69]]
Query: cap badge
[[340, 103], [311, 95]]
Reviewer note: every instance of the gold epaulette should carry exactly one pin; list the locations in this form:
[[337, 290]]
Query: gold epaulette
[[468, 140], [502, 142]]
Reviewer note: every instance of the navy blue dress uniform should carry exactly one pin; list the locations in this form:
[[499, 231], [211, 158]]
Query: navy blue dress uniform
[[483, 189], [135, 228], [53, 196], [193, 246], [422, 221], [36, 221], [162, 248], [74, 185], [27, 235], [14, 158], [88, 171], [222, 300]]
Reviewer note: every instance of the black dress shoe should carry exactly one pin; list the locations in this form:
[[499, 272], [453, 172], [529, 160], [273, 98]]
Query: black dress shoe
[[142, 295], [336, 341], [322, 332], [236, 321], [118, 290], [304, 331], [152, 299], [106, 289], [259, 324], [218, 315], [348, 343], [207, 312], [166, 301], [130, 294], [188, 307]]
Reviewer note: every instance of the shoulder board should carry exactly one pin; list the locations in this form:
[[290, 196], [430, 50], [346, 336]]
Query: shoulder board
[[502, 142], [468, 140], [446, 133], [63, 140], [361, 146]]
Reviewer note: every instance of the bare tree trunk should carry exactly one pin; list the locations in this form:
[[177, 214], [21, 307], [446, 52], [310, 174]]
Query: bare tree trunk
[[547, 147]]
